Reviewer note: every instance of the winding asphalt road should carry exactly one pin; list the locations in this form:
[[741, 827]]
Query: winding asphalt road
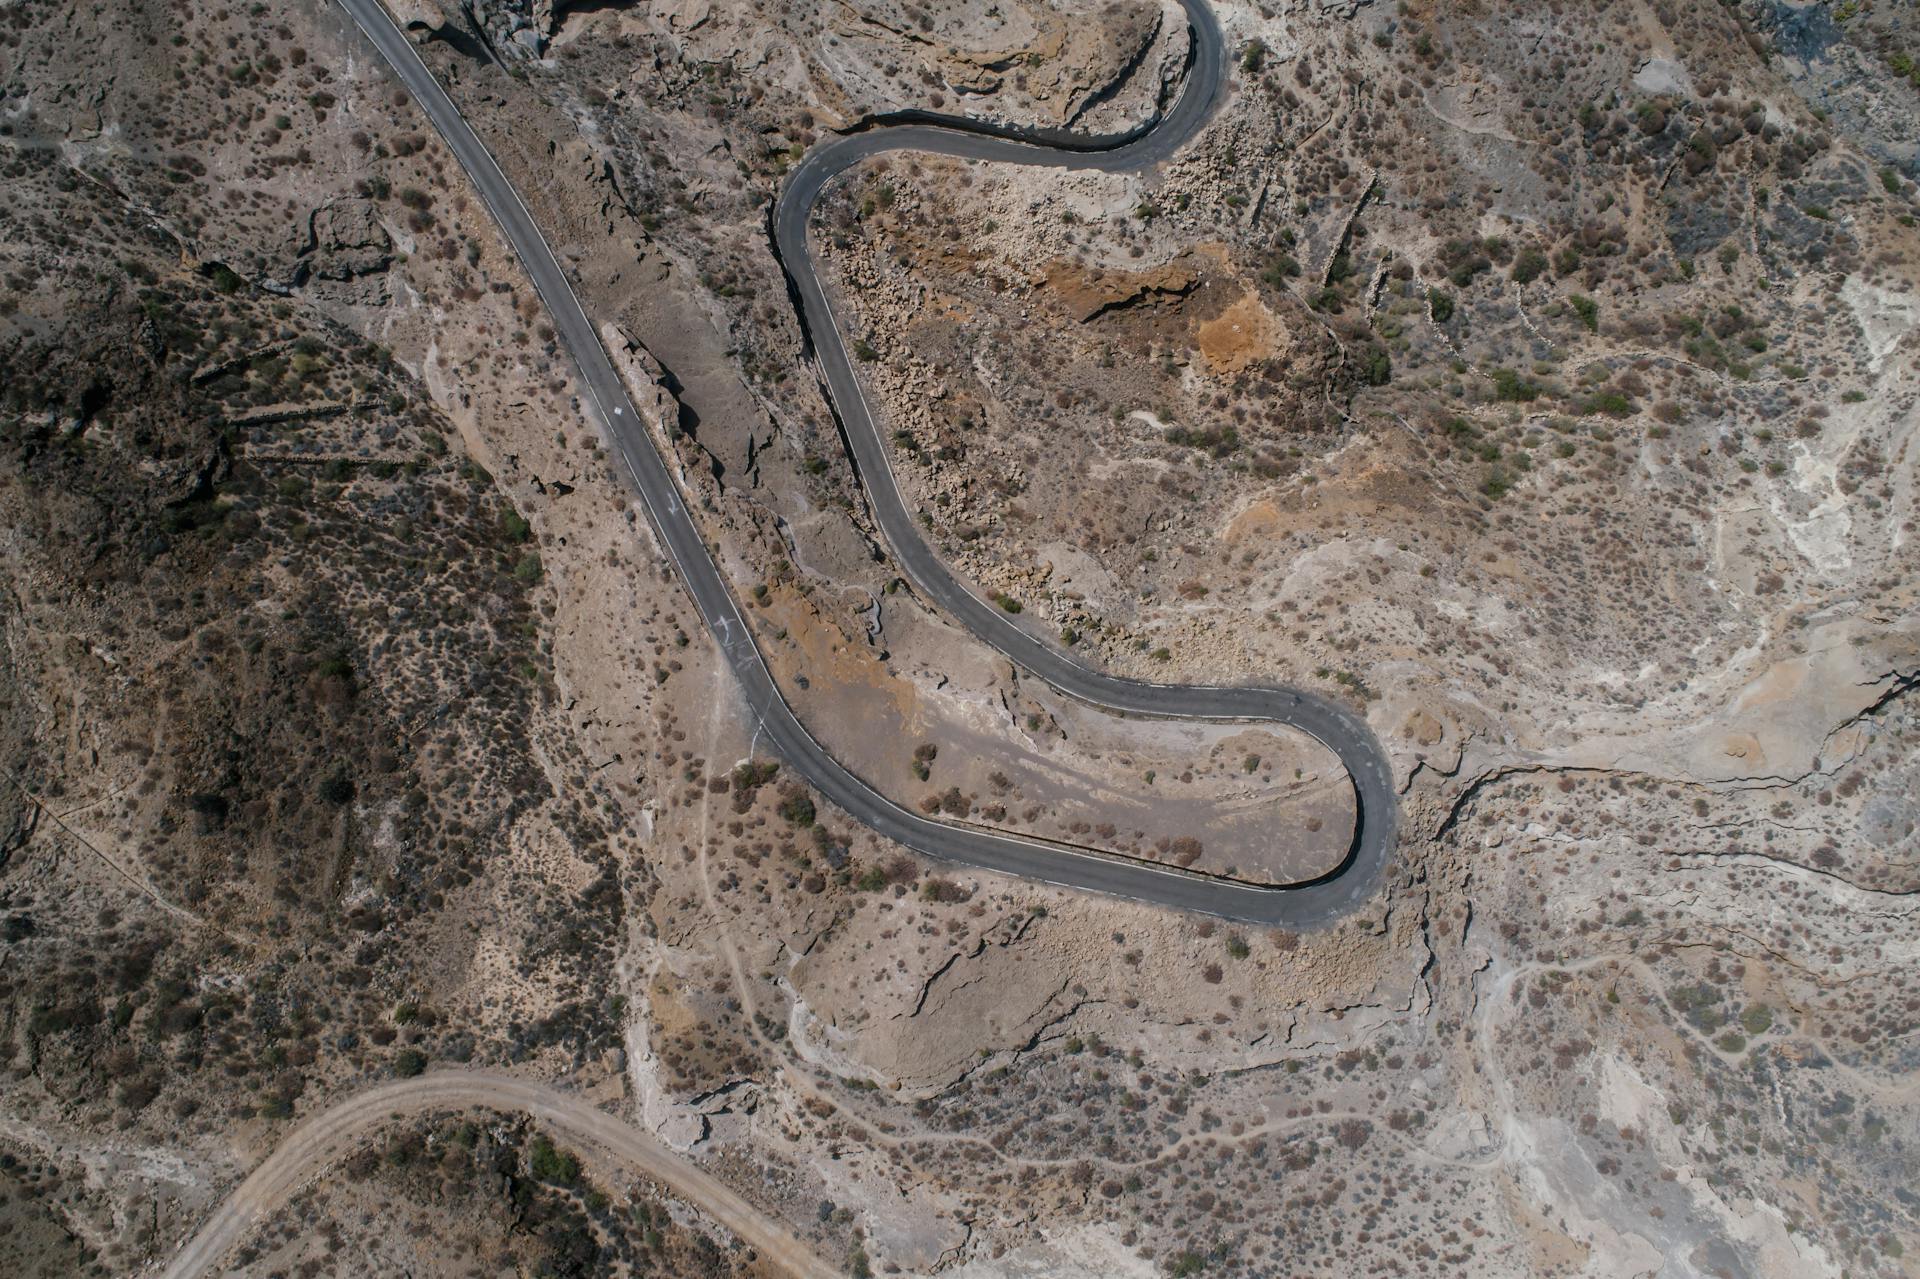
[[318, 1142], [1296, 905]]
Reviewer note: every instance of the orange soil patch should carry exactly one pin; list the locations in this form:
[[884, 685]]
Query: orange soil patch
[[1263, 516], [1241, 335]]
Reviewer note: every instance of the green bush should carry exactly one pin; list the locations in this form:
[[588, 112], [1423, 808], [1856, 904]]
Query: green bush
[[409, 1063], [797, 809], [1511, 387], [1611, 403], [1216, 441], [1529, 266], [1280, 270], [754, 774], [1376, 367], [1463, 260], [1442, 304], [1588, 310], [549, 1163]]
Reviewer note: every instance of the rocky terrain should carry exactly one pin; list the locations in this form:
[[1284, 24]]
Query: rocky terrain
[[1541, 380]]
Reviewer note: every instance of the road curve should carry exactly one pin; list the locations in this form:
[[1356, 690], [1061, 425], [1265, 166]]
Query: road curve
[[330, 1135], [1296, 905]]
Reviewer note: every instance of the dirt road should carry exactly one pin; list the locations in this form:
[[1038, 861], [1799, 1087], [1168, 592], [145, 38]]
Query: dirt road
[[331, 1135]]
